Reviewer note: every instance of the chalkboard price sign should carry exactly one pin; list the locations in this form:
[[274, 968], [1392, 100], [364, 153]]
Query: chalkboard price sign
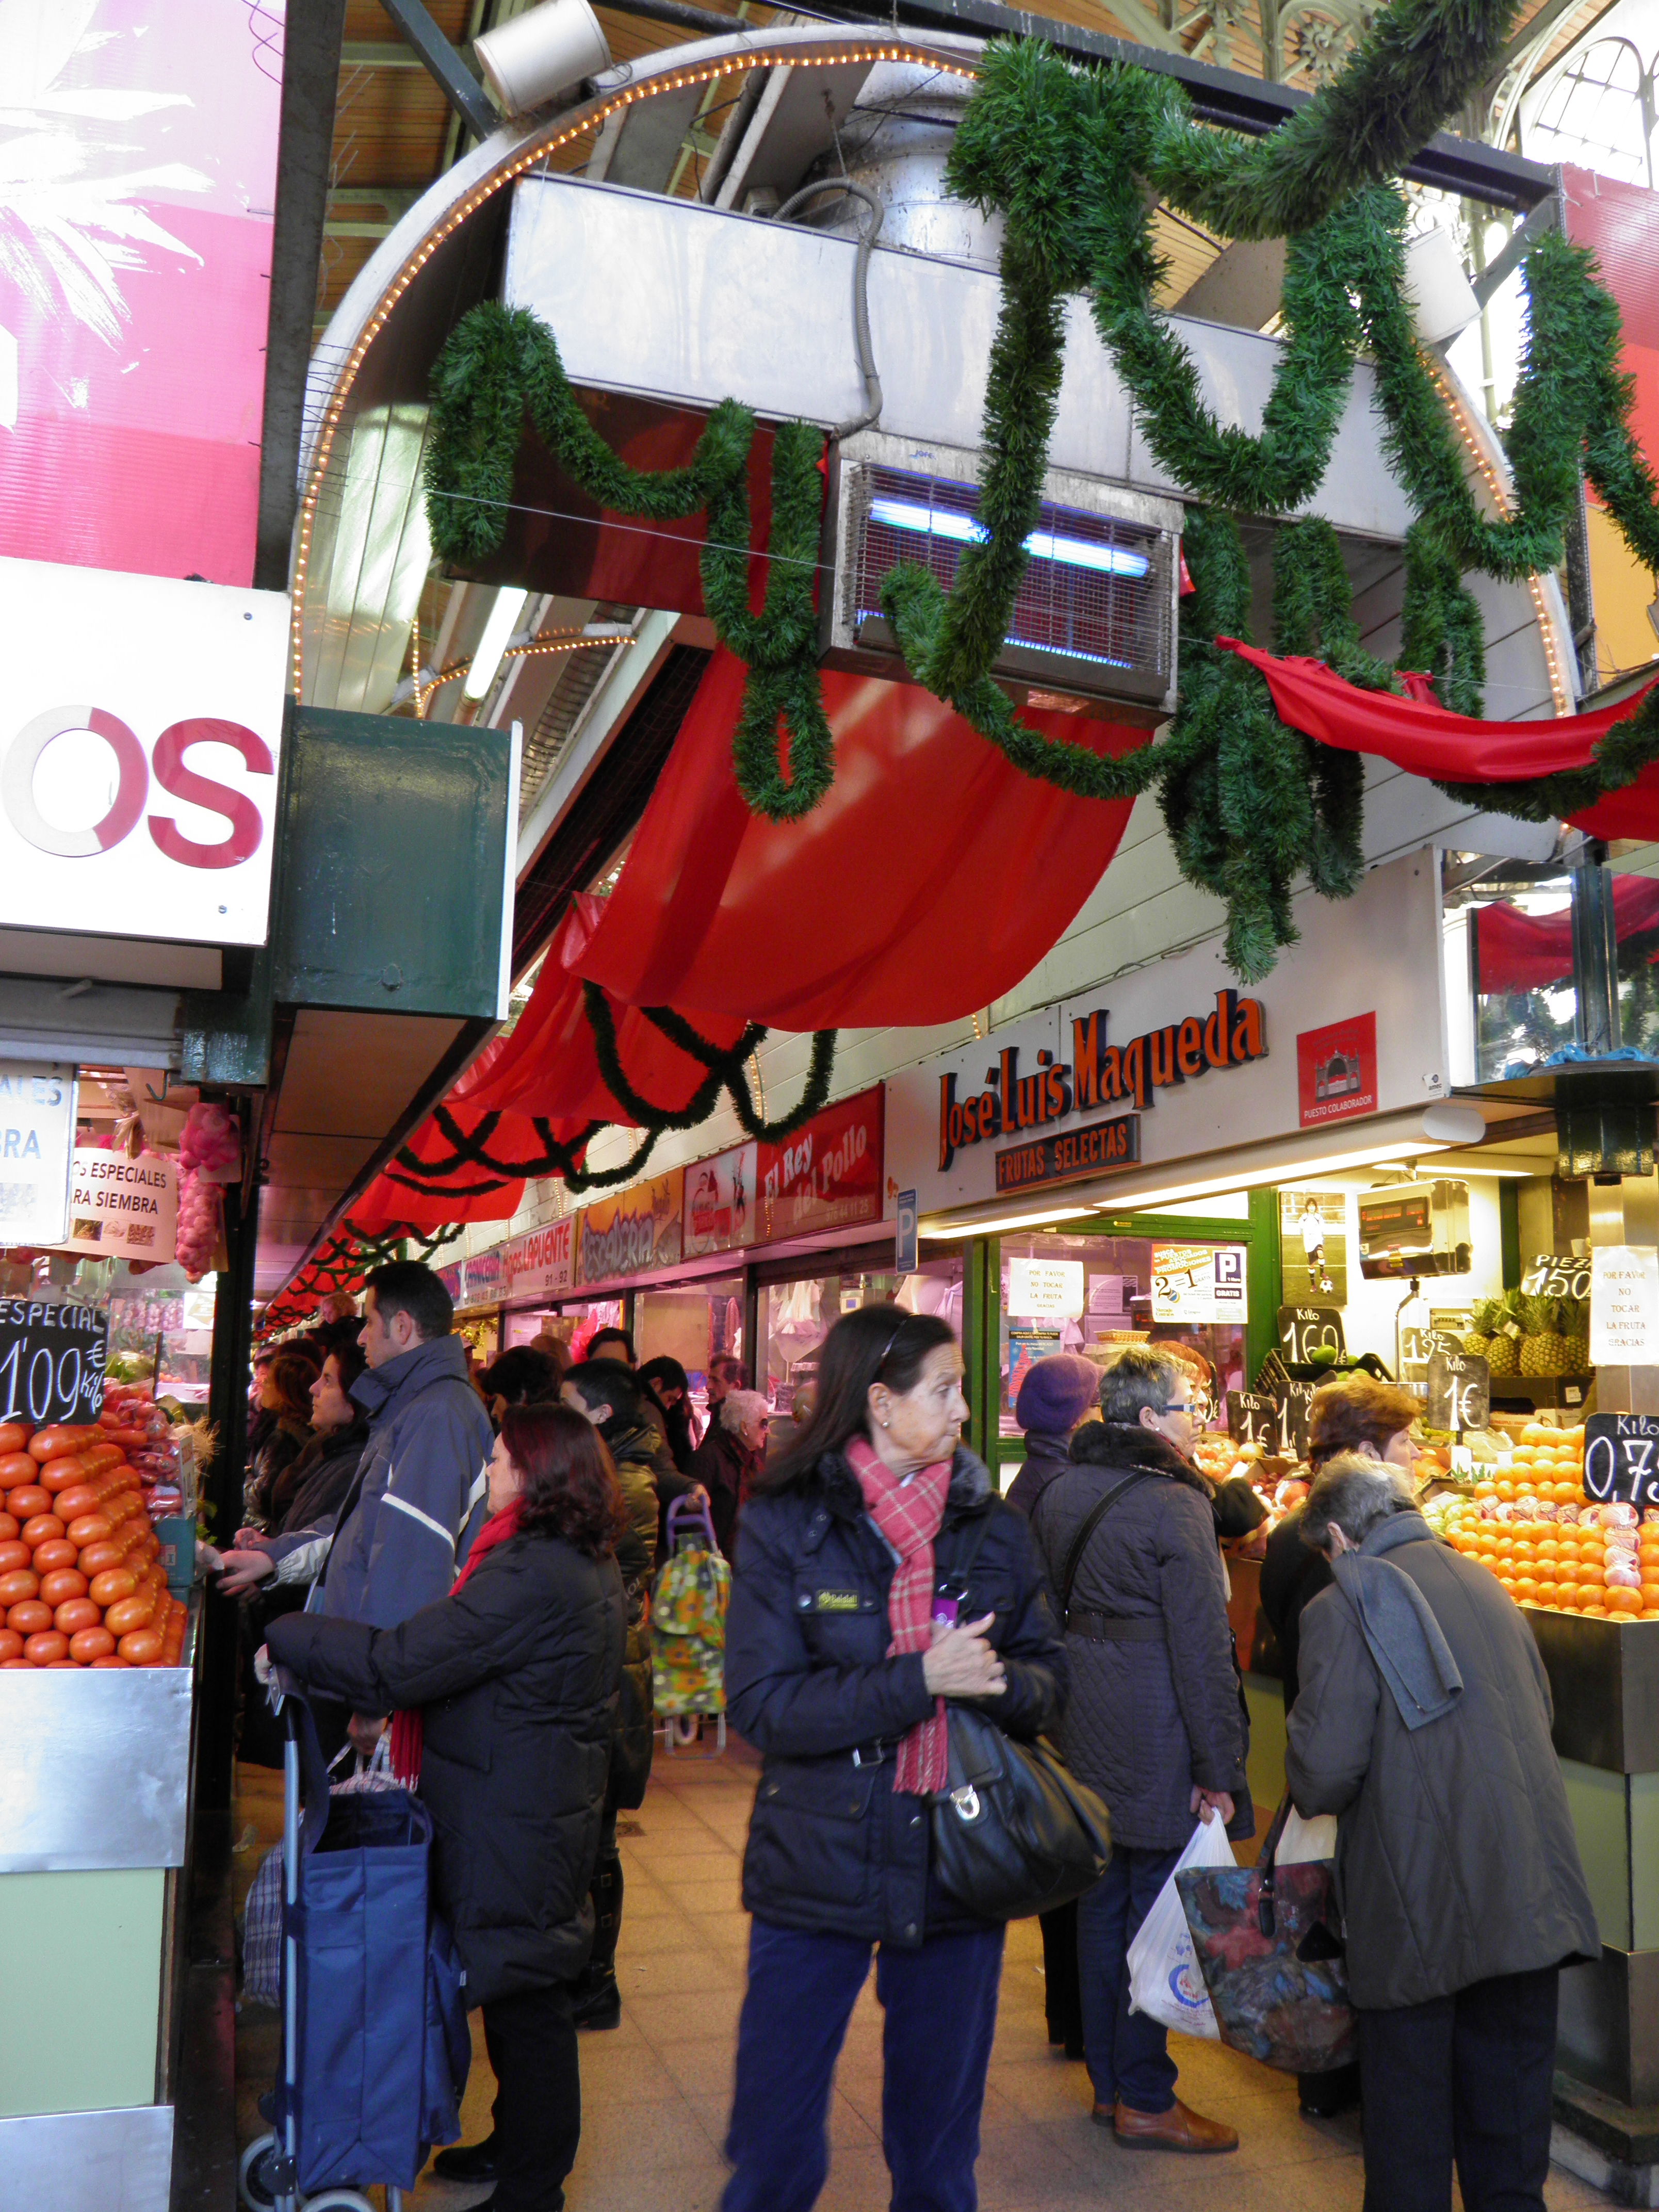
[[1304, 1331], [1621, 1459], [1459, 1391], [1253, 1418], [1419, 1346], [52, 1361], [1549, 1277]]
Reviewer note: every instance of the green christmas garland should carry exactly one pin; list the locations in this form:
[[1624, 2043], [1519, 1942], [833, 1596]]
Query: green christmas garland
[[1073, 158]]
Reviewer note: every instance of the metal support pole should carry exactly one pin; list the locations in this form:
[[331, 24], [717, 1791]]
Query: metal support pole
[[1594, 950], [232, 1338]]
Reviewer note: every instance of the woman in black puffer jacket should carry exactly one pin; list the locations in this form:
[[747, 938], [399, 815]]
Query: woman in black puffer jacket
[[833, 1672], [514, 1679]]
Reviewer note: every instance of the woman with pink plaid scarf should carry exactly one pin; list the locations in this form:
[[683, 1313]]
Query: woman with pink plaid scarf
[[878, 1575]]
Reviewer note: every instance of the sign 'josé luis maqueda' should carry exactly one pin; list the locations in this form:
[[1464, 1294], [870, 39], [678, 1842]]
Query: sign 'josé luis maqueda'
[[140, 734], [1098, 1073], [1178, 1061]]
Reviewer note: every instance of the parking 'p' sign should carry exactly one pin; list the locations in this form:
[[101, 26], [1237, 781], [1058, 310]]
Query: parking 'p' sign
[[139, 737]]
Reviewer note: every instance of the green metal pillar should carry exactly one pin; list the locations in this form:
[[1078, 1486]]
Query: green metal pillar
[[1264, 1279]]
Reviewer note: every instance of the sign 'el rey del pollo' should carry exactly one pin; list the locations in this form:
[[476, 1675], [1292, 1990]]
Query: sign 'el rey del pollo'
[[1099, 1073]]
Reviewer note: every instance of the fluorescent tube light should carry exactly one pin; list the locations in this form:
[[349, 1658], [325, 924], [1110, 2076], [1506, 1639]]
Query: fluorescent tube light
[[498, 629], [1042, 545]]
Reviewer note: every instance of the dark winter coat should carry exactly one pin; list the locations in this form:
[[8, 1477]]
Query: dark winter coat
[[808, 1682], [417, 1500], [1045, 1457], [322, 1475], [725, 1469], [1455, 1856], [1148, 1718], [1291, 1578], [516, 1674], [268, 1488], [633, 1453]]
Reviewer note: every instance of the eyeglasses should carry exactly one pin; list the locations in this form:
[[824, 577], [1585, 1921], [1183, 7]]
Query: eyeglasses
[[1200, 1408]]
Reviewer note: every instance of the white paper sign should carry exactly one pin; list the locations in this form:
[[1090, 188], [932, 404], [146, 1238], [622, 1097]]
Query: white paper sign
[[123, 1209], [37, 1136], [1041, 1290], [1198, 1284], [1624, 1305]]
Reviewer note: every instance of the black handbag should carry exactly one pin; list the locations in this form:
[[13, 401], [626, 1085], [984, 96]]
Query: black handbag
[[1015, 1832]]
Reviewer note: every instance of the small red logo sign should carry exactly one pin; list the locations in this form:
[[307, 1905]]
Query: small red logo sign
[[1336, 1071]]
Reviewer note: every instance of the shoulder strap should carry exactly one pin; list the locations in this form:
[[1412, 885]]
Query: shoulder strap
[[1079, 1543]]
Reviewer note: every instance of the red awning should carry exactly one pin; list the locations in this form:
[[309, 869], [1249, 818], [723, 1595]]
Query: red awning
[[933, 877]]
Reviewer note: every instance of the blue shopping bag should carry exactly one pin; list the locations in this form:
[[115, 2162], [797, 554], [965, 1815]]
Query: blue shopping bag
[[380, 2048]]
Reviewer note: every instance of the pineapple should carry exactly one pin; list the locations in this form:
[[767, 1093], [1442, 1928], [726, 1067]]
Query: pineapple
[[1544, 1345], [1501, 1330], [1577, 1329], [1478, 1342]]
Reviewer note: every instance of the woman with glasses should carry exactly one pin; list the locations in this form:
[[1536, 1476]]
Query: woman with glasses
[[729, 1459], [1154, 1722], [877, 1574]]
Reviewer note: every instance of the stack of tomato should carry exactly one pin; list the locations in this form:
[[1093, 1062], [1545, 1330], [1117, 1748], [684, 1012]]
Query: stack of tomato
[[81, 1584]]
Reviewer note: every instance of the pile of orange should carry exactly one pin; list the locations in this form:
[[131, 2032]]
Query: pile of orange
[[81, 1584], [1547, 1463], [1560, 1566]]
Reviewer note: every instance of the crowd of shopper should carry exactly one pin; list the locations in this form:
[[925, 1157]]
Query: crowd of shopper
[[472, 1562]]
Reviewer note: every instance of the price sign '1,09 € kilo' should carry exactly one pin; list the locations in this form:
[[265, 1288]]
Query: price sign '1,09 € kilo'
[[52, 1361]]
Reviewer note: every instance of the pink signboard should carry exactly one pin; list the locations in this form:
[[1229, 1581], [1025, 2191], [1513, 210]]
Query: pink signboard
[[136, 209]]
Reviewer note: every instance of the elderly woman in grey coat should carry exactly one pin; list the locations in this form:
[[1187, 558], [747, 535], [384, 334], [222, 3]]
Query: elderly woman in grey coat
[[1423, 1722], [1155, 1722]]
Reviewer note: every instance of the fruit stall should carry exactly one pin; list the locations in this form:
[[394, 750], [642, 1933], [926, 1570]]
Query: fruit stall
[[95, 1779]]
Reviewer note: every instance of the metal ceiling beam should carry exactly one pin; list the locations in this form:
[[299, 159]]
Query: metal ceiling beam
[[1226, 97], [444, 65], [378, 53], [311, 81]]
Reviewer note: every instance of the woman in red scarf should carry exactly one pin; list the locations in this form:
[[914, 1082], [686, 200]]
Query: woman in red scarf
[[851, 1624], [512, 1681]]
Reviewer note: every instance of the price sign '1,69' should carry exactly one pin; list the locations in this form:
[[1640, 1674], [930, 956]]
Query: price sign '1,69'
[[52, 1361], [1621, 1459]]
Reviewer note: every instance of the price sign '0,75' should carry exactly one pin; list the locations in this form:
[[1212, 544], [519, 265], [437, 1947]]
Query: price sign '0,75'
[[1621, 1459], [52, 1361]]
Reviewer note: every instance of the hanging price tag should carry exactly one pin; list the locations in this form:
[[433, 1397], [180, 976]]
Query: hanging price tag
[[1550, 1277]]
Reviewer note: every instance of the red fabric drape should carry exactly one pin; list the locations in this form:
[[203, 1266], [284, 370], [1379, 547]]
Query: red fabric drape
[[1522, 952], [930, 880], [548, 1067], [1431, 740], [549, 1063]]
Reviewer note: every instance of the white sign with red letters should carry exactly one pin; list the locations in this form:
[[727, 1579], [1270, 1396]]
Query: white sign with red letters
[[140, 725]]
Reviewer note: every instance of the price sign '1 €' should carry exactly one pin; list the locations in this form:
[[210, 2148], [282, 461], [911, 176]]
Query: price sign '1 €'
[[52, 1361], [1621, 1459], [1459, 1391]]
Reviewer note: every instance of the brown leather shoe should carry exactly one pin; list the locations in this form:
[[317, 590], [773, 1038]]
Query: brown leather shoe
[[1179, 2129]]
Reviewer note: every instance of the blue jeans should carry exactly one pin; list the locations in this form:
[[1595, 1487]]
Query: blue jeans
[[1128, 2053], [941, 2008]]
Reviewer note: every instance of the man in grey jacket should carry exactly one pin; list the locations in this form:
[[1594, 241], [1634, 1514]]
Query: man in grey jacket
[[1423, 1722], [418, 1497], [1154, 1721]]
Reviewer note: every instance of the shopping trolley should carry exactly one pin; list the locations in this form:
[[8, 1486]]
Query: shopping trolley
[[688, 1627], [375, 2046]]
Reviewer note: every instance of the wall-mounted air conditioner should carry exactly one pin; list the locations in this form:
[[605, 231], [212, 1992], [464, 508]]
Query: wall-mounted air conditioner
[[1096, 615]]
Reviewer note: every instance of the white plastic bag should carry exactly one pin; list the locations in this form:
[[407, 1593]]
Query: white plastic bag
[[1303, 1841], [1165, 1980]]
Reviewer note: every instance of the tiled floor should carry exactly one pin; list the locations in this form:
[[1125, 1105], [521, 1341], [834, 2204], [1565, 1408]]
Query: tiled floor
[[654, 2092]]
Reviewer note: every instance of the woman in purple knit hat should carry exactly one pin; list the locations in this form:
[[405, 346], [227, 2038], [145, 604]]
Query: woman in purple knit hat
[[1057, 1394]]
